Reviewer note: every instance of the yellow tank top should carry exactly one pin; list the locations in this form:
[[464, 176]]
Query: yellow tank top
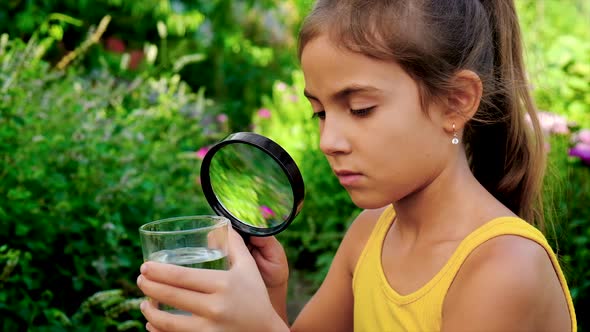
[[379, 308]]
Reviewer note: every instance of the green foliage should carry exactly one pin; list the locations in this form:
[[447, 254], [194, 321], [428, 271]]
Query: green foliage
[[86, 159], [110, 310], [245, 42], [132, 18], [569, 181], [236, 42], [88, 155], [558, 55]]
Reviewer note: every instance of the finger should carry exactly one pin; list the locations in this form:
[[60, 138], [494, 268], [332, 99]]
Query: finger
[[268, 248], [197, 303], [151, 328], [200, 280], [159, 320], [237, 249], [217, 238]]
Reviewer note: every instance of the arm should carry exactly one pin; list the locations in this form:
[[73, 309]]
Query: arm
[[272, 263], [331, 308], [278, 298], [507, 284]]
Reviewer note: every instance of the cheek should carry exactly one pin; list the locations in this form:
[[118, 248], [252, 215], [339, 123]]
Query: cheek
[[409, 158], [427, 147], [426, 160]]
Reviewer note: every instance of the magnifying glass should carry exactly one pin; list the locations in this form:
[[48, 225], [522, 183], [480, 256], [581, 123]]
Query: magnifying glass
[[254, 182]]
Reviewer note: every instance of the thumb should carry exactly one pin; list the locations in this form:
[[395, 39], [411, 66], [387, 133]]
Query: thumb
[[262, 241], [267, 247], [237, 250]]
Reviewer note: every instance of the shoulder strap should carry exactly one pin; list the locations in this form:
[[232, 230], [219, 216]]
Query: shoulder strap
[[377, 236]]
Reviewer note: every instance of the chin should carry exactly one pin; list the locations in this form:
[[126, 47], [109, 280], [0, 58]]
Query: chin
[[368, 202]]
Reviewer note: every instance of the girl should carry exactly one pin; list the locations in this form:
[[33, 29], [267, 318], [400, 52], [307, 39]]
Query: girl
[[421, 107]]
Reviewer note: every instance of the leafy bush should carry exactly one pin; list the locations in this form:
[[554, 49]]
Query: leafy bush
[[558, 55], [86, 156], [569, 187], [86, 159], [240, 41]]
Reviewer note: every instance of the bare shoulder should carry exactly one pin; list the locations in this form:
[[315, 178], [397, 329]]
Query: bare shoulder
[[358, 234], [507, 283]]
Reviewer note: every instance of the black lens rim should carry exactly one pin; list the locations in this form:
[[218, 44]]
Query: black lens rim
[[280, 156]]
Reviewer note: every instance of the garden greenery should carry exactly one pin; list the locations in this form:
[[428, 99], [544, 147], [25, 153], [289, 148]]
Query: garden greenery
[[86, 159], [114, 138]]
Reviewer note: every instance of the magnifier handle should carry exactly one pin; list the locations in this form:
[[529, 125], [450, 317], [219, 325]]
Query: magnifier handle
[[245, 237]]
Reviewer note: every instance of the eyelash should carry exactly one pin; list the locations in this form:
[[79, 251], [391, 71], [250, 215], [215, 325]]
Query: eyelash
[[319, 115], [363, 112], [360, 113]]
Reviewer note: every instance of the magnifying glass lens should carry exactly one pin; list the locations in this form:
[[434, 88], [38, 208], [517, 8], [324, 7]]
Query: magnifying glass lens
[[251, 186]]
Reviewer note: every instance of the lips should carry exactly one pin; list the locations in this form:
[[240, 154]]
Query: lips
[[348, 178], [345, 172]]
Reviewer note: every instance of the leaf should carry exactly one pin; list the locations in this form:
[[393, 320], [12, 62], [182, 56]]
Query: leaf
[[18, 193], [186, 60], [56, 32], [22, 229]]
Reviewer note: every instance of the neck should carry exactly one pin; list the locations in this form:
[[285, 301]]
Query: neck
[[449, 207]]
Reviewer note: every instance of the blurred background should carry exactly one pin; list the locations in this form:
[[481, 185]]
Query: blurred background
[[108, 106]]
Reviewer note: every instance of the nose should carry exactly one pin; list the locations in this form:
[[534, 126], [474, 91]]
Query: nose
[[333, 140]]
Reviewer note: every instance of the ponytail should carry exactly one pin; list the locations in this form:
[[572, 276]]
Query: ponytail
[[507, 154]]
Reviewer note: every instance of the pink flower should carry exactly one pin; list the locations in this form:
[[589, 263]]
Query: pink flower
[[582, 151], [266, 212], [202, 152], [582, 136], [222, 118], [264, 113], [552, 123], [560, 127]]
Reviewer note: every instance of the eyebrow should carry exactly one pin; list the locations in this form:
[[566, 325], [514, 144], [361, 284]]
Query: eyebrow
[[345, 92]]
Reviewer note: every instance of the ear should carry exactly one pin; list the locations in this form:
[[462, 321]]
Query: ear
[[463, 100]]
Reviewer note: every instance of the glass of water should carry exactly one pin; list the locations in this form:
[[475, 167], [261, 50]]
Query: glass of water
[[192, 241]]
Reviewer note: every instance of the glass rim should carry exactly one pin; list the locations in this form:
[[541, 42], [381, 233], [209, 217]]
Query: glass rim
[[221, 221]]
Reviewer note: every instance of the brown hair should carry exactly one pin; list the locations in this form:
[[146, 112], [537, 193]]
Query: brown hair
[[432, 40]]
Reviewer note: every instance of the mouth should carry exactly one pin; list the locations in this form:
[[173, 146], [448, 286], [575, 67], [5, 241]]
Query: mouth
[[348, 178]]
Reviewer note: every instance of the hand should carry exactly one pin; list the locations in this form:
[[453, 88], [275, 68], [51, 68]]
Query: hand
[[272, 263], [233, 300], [271, 260]]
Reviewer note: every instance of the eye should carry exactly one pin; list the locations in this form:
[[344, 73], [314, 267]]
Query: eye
[[362, 112], [319, 115]]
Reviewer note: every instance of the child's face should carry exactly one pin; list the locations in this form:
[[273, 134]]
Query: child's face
[[391, 149]]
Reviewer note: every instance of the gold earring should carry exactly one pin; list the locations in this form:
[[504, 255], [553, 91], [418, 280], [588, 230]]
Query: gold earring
[[455, 139]]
